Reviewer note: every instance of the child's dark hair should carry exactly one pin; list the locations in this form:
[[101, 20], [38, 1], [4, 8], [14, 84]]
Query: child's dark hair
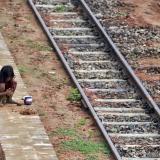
[[6, 72]]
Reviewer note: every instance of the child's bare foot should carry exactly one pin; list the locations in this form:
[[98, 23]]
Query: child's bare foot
[[11, 101]]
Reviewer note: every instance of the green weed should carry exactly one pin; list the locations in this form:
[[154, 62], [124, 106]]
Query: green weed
[[53, 77], [22, 69], [65, 132], [61, 8], [86, 147], [82, 122], [76, 143], [74, 95], [38, 46], [64, 81], [121, 14], [91, 157], [91, 133]]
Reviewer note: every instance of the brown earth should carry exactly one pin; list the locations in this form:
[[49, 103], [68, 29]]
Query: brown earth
[[145, 11], [46, 81]]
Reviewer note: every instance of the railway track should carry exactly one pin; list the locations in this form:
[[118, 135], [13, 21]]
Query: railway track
[[132, 40], [124, 111]]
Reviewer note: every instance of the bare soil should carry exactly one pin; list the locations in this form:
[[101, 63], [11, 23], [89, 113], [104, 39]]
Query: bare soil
[[46, 80], [145, 12]]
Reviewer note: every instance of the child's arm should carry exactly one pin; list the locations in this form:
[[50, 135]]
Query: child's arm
[[2, 90]]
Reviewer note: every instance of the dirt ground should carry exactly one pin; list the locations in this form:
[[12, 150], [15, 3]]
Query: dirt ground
[[49, 84], [145, 12]]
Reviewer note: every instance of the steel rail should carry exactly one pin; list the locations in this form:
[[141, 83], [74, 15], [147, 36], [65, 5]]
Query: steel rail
[[128, 68], [84, 97]]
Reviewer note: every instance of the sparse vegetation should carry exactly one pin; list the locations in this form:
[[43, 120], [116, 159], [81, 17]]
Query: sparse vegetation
[[77, 141], [82, 122], [38, 46], [86, 147], [61, 8], [74, 95], [65, 132], [121, 14], [22, 69], [91, 133], [91, 157]]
